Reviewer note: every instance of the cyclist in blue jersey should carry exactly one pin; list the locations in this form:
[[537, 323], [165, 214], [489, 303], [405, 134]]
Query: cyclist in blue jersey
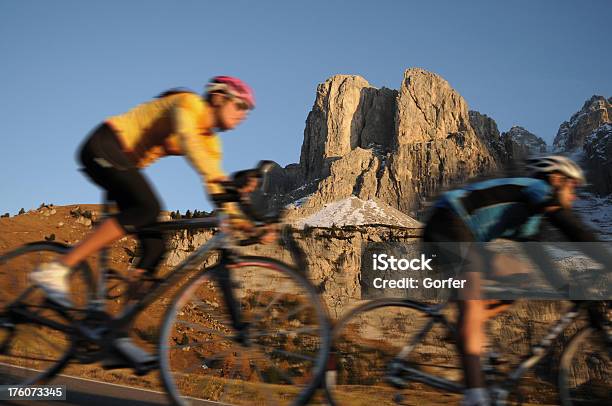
[[505, 208]]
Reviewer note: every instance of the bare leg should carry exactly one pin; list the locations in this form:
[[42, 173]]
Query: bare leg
[[106, 233], [471, 326], [472, 317], [472, 340]]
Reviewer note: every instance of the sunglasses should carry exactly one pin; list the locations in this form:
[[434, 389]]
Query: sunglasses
[[239, 103]]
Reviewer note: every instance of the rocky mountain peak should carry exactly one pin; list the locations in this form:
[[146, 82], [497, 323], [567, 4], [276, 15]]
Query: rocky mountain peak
[[595, 112], [393, 146], [526, 139], [429, 109], [348, 113], [588, 134]]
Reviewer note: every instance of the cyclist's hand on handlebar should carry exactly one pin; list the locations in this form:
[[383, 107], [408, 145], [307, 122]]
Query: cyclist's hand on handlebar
[[270, 234], [241, 224], [250, 186]]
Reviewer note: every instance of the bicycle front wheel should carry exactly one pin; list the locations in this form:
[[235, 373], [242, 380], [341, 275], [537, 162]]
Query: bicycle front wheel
[[272, 351], [585, 372], [390, 352], [35, 339]]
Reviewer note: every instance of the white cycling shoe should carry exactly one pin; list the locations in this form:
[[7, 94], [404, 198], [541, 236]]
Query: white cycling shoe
[[476, 397], [52, 278]]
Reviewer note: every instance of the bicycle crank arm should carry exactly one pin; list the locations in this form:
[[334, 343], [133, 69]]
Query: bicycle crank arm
[[126, 354]]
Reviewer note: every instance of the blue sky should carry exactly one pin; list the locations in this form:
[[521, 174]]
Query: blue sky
[[66, 65]]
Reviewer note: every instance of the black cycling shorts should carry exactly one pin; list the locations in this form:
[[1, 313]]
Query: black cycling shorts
[[108, 166], [453, 243]]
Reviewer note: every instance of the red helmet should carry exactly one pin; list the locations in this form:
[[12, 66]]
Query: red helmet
[[233, 87]]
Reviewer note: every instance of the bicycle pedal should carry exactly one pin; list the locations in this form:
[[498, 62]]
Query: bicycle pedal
[[395, 381], [6, 324], [140, 368], [114, 362]]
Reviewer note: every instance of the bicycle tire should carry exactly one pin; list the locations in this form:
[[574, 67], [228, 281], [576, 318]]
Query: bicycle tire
[[230, 379], [590, 386], [366, 340], [32, 353]]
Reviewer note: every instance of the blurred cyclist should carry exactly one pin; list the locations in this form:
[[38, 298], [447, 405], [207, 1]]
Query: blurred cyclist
[[508, 208], [177, 122]]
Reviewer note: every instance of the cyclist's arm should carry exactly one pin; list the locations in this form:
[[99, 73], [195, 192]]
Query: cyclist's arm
[[540, 258], [192, 145], [208, 166], [576, 231]]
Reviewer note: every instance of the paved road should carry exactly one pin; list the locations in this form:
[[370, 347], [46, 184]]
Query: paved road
[[86, 392]]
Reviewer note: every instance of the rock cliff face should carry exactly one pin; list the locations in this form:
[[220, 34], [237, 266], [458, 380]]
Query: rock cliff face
[[333, 256], [588, 134], [598, 159], [347, 114], [396, 147], [509, 148], [525, 140], [594, 113], [486, 129]]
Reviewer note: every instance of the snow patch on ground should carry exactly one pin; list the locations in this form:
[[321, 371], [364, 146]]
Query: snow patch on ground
[[597, 212], [301, 201], [355, 211]]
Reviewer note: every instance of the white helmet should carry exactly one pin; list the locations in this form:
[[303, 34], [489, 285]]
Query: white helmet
[[555, 163]]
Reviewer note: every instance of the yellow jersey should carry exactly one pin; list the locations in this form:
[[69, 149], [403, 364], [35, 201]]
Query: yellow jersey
[[178, 124]]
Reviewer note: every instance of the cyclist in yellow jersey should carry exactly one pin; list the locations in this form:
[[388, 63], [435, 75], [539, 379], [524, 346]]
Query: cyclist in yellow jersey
[[177, 122]]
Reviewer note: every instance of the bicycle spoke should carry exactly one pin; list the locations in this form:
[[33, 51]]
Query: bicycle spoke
[[277, 369], [192, 368], [203, 305], [229, 381], [203, 329], [260, 315], [182, 346], [42, 341], [295, 311], [285, 332], [261, 379], [284, 318], [216, 356], [287, 353]]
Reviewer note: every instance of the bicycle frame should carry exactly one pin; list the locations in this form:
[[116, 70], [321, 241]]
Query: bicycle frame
[[96, 307], [537, 352], [196, 258]]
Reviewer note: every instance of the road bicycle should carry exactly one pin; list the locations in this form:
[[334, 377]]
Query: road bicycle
[[399, 351], [238, 329]]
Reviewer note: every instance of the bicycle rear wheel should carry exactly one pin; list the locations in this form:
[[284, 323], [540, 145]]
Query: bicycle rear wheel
[[585, 371], [367, 343], [277, 357], [35, 342]]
